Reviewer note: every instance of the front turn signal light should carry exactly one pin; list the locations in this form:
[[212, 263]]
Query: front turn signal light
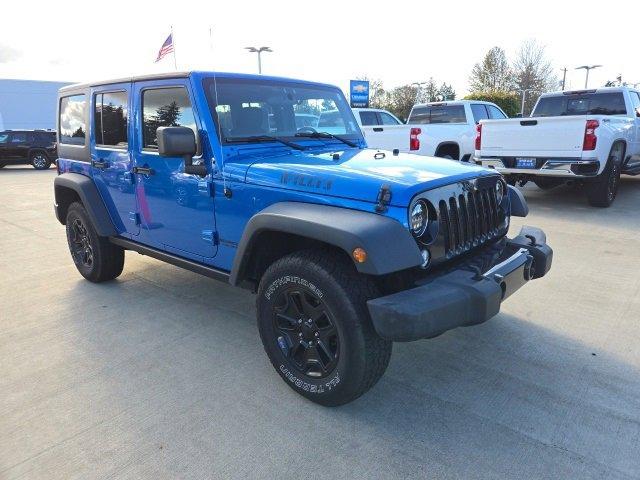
[[359, 255]]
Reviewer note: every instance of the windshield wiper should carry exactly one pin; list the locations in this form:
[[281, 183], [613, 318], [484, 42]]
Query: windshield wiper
[[263, 138], [326, 135]]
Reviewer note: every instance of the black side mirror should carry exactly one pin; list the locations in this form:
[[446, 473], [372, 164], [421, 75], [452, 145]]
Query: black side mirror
[[180, 142], [638, 112], [518, 115]]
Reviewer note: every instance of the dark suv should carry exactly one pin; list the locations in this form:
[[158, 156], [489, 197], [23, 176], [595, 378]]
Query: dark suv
[[34, 147]]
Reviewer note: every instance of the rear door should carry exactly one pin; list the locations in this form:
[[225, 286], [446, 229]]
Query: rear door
[[111, 162], [176, 209], [383, 131], [18, 147]]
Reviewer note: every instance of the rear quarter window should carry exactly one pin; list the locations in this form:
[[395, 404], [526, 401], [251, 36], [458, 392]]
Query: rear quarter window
[[72, 122]]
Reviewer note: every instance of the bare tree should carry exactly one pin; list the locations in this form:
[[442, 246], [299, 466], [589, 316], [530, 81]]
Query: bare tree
[[533, 72], [493, 74]]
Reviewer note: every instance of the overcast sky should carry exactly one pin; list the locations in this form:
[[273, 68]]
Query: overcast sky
[[331, 41]]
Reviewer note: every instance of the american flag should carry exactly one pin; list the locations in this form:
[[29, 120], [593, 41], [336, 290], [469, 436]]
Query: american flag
[[167, 47]]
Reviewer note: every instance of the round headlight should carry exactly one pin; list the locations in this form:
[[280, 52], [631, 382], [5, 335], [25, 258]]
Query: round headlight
[[419, 218], [499, 191]]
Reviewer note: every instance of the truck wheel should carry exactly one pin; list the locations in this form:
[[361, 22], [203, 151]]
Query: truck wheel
[[603, 191], [95, 257], [316, 330], [39, 160]]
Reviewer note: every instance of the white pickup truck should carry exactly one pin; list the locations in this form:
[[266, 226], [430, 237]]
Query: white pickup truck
[[586, 136], [437, 129]]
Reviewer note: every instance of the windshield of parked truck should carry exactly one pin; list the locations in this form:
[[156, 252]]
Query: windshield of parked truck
[[251, 109], [588, 103], [438, 114]]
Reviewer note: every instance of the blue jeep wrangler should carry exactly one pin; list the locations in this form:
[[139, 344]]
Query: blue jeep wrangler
[[267, 183]]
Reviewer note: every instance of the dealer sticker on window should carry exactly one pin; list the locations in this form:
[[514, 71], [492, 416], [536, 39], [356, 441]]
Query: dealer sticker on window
[[525, 162]]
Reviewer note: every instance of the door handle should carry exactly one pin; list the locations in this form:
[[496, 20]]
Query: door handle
[[378, 129], [101, 164], [143, 171]]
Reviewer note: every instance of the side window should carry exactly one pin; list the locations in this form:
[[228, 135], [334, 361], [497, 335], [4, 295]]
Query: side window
[[388, 119], [368, 118], [165, 107], [73, 129], [4, 137], [479, 112], [495, 113], [18, 137], [110, 119]]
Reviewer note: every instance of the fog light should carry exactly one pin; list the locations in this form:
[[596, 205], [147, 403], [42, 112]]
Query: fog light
[[426, 257], [359, 255]]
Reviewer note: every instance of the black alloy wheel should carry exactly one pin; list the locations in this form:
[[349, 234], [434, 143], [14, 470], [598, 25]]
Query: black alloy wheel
[[80, 244], [307, 334]]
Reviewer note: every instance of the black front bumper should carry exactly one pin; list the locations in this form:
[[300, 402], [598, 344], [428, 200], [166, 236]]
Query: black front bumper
[[462, 297]]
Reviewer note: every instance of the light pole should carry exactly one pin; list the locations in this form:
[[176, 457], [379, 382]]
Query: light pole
[[524, 94], [564, 76], [418, 88], [259, 51], [587, 68]]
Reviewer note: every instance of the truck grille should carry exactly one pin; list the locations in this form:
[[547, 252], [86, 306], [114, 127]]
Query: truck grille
[[469, 219]]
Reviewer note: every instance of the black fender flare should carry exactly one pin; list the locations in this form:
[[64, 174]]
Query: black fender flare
[[519, 207], [389, 245], [88, 194], [448, 143]]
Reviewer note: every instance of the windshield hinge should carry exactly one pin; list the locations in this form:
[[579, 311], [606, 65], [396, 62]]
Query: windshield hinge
[[383, 199]]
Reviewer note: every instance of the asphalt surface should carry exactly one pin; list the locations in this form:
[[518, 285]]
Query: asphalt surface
[[161, 374]]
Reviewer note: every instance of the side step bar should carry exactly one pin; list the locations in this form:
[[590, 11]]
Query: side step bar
[[631, 169], [196, 267]]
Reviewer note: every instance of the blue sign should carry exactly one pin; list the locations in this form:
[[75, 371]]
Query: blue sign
[[359, 93]]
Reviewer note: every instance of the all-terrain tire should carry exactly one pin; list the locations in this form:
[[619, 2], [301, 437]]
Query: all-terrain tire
[[602, 192], [97, 259], [326, 282], [39, 160]]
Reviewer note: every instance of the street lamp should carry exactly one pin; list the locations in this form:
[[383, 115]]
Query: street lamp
[[259, 51], [418, 88], [524, 94], [587, 68]]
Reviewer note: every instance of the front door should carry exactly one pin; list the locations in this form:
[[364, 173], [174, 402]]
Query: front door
[[176, 210], [110, 154]]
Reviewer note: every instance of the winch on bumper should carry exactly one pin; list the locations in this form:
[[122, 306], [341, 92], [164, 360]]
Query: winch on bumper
[[462, 297]]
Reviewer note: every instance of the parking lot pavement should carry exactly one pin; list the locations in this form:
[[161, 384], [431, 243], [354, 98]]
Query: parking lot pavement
[[161, 373]]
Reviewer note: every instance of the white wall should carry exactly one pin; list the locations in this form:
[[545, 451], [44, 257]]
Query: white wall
[[28, 104]]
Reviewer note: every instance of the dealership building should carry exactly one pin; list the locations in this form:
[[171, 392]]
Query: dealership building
[[28, 104]]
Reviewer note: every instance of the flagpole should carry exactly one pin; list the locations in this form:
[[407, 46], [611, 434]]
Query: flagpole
[[173, 39]]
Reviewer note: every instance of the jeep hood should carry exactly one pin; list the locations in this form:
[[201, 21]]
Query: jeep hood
[[356, 174]]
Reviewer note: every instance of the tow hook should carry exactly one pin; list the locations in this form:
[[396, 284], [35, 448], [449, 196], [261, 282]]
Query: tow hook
[[529, 269]]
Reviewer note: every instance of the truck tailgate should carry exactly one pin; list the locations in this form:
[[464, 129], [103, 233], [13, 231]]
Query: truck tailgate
[[533, 137]]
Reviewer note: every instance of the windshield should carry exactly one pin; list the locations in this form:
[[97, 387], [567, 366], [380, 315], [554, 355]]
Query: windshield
[[609, 103], [247, 108]]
